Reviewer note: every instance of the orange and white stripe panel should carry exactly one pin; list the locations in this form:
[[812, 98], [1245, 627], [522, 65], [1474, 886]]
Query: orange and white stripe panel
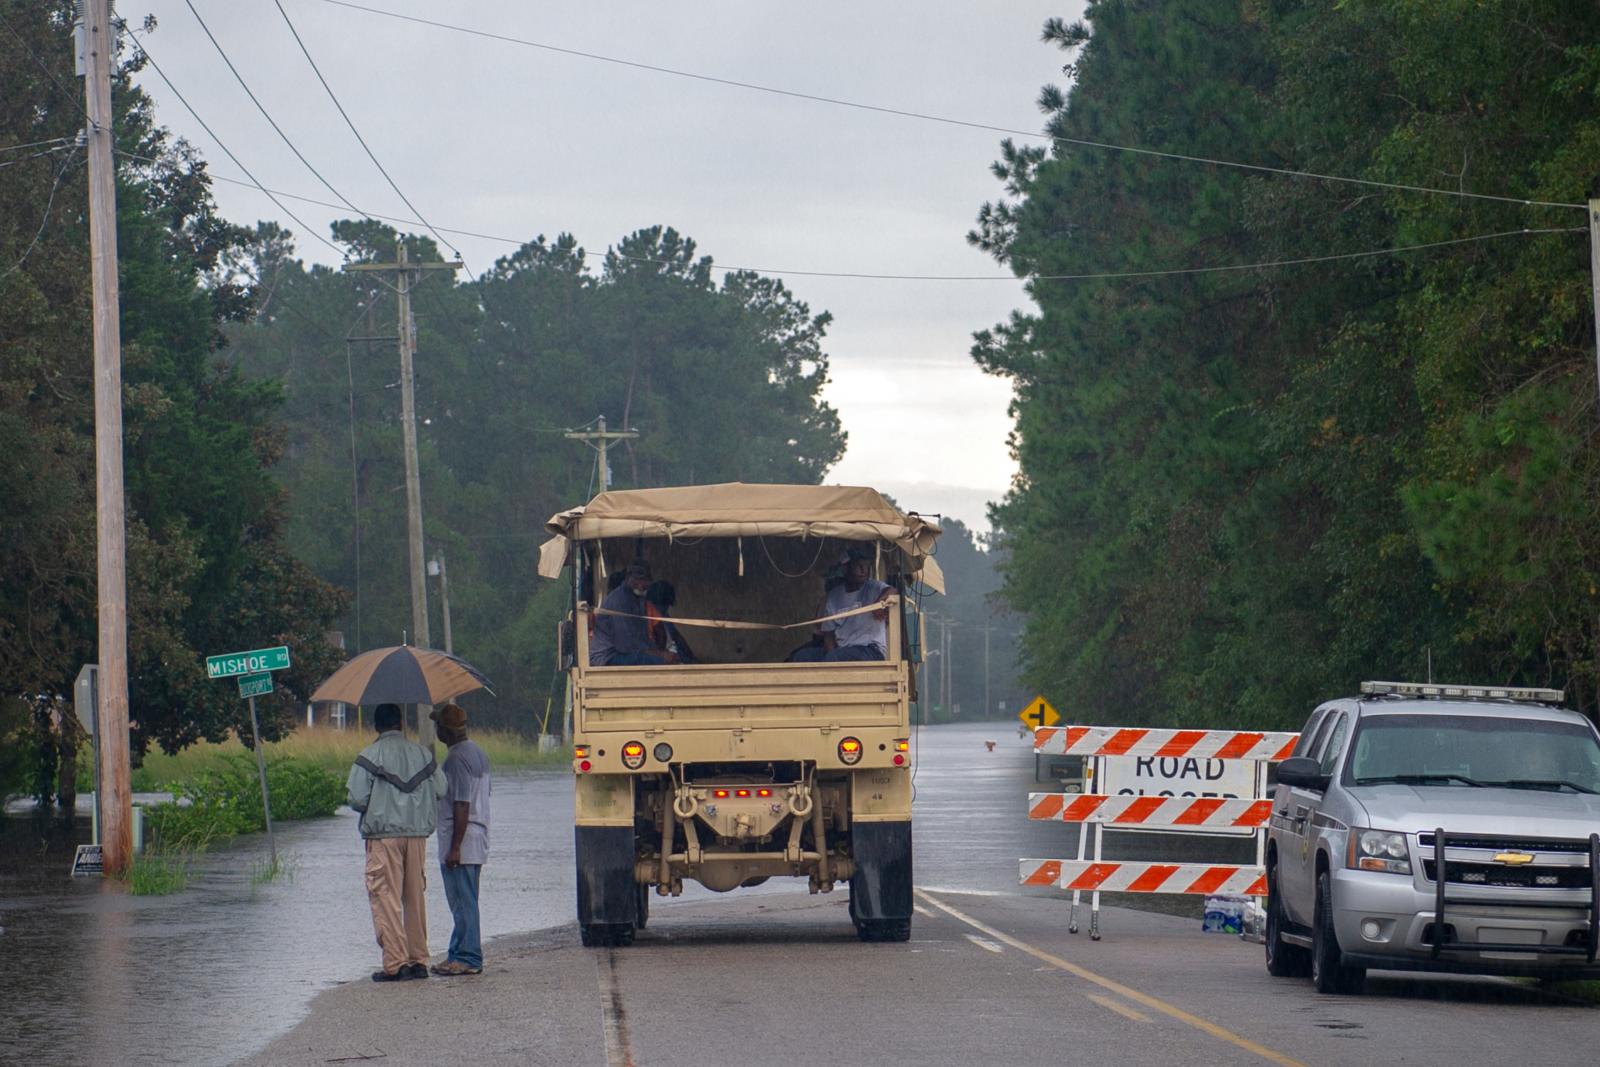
[[1146, 877], [1136, 741], [1178, 813]]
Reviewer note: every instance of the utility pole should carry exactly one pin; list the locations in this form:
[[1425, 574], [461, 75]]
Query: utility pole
[[1594, 268], [602, 436], [116, 806], [436, 566], [987, 707], [407, 274], [944, 666]]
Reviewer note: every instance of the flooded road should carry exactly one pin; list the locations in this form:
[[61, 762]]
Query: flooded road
[[91, 974]]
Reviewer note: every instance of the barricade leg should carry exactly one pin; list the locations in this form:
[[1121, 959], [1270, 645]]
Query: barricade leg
[[1094, 898], [1077, 894]]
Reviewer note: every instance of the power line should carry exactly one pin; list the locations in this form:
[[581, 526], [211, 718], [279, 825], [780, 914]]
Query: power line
[[44, 221], [925, 117], [36, 155], [1097, 276], [261, 108], [62, 141], [345, 115], [1298, 262], [281, 206]]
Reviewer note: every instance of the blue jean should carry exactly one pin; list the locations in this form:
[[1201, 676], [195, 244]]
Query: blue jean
[[461, 893], [841, 654]]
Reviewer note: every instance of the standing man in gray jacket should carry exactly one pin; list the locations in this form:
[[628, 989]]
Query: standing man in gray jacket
[[396, 785]]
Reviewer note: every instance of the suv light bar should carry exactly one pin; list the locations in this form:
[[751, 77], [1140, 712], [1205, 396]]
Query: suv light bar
[[1464, 692]]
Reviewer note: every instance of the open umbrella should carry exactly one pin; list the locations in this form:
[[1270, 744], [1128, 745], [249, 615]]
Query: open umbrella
[[401, 675]]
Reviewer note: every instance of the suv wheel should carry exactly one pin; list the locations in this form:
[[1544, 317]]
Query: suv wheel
[[1283, 959], [1329, 972]]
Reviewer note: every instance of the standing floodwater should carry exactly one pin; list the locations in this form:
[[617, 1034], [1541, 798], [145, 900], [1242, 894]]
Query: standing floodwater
[[91, 974]]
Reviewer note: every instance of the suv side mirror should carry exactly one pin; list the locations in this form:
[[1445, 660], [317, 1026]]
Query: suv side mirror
[[1302, 772]]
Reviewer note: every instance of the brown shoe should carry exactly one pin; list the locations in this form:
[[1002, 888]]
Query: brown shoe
[[452, 968]]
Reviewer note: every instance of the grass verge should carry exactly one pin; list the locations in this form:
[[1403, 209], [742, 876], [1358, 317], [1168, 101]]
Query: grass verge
[[332, 750], [156, 874]]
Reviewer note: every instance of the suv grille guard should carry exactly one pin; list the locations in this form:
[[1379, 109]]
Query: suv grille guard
[[1438, 943]]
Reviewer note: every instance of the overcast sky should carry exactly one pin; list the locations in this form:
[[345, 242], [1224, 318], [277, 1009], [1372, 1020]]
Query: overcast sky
[[513, 141]]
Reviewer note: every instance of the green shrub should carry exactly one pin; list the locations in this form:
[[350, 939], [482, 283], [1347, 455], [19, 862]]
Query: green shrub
[[224, 799]]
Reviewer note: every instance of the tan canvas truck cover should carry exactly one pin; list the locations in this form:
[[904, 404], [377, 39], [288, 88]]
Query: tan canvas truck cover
[[737, 509]]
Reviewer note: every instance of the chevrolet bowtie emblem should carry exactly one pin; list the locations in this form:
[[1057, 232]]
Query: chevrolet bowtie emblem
[[1512, 859]]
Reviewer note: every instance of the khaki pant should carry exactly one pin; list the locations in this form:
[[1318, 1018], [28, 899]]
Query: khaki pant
[[395, 885]]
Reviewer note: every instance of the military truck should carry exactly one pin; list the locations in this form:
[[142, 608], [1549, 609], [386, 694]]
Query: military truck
[[741, 765]]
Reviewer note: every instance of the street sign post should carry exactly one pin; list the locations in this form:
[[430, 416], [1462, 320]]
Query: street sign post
[[232, 664], [1039, 713], [251, 668], [255, 685]]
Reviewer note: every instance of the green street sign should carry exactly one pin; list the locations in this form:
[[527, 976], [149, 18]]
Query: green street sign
[[233, 664], [255, 685]]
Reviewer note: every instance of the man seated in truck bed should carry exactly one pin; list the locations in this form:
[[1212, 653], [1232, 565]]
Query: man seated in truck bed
[[622, 631], [858, 637]]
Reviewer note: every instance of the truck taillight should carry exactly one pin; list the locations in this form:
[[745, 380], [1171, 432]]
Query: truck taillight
[[580, 751], [849, 751], [633, 755]]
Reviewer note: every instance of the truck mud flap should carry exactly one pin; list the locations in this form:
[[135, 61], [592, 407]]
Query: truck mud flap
[[607, 894], [880, 887]]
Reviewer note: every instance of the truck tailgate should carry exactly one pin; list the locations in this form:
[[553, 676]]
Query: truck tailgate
[[725, 695]]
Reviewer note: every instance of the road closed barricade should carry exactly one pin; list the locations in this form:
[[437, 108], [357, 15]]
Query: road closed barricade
[[1168, 781]]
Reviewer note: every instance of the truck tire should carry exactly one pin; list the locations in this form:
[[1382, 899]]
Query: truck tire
[[1329, 973], [608, 897], [643, 910], [880, 888], [1283, 959]]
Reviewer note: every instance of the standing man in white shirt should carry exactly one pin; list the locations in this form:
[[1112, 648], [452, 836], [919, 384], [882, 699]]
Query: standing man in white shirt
[[463, 839]]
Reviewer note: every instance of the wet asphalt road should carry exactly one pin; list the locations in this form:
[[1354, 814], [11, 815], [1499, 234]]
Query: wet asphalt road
[[990, 976], [276, 975]]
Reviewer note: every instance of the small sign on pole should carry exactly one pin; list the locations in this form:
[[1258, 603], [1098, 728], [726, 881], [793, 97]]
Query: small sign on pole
[[255, 685]]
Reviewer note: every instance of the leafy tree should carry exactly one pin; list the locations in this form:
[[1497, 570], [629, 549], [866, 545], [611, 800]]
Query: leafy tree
[[1257, 487], [207, 567], [721, 380]]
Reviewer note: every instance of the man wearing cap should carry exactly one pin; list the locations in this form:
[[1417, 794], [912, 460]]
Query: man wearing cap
[[463, 838], [395, 785], [621, 635], [856, 637]]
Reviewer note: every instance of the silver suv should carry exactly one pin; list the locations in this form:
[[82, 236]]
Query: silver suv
[[1434, 827]]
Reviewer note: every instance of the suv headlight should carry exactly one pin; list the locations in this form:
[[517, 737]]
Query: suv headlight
[[1379, 850]]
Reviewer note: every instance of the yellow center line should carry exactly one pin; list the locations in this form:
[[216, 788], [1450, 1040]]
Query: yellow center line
[[1117, 1006], [1153, 1003]]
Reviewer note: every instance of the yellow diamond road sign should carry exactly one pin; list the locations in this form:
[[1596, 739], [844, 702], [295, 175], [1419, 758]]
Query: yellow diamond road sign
[[1039, 713]]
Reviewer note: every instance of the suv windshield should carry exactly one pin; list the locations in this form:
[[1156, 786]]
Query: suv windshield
[[1473, 750]]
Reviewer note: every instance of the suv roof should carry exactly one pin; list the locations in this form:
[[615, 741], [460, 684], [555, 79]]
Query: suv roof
[[1389, 705]]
